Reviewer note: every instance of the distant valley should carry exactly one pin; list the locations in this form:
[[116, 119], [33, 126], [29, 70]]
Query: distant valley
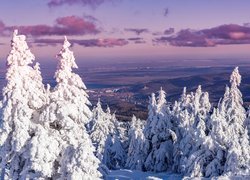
[[126, 86]]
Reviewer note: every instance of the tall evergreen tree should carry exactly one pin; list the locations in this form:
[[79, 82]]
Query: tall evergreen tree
[[65, 118], [105, 137], [237, 144], [23, 100], [159, 135], [191, 116], [136, 151], [226, 149]]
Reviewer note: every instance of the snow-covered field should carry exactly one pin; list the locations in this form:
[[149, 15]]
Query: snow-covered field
[[125, 174]]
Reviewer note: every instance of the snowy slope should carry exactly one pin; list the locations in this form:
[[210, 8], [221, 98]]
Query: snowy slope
[[125, 174]]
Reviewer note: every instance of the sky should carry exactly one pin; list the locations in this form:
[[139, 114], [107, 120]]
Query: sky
[[129, 29]]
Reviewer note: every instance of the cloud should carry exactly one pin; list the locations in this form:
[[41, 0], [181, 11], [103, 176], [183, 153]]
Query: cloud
[[46, 42], [169, 31], [137, 40], [220, 35], [90, 18], [108, 42], [166, 12], [91, 3], [247, 24], [69, 25], [137, 31]]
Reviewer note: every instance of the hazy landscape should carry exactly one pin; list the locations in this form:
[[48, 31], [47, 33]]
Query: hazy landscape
[[125, 86], [124, 89]]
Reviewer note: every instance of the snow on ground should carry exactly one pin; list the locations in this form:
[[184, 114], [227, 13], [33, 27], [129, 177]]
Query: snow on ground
[[125, 174]]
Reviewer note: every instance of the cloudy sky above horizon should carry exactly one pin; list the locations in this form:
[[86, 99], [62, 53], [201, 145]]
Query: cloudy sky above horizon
[[120, 29]]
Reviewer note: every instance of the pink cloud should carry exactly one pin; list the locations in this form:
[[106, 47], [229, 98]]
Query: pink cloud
[[237, 35], [69, 25], [77, 25]]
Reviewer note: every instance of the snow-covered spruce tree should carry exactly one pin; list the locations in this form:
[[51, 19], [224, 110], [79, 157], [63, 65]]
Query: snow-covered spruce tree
[[212, 151], [226, 149], [191, 114], [116, 153], [136, 151], [23, 100], [235, 141], [66, 115], [159, 135], [215, 161], [123, 129], [247, 122], [105, 137], [152, 106], [101, 127]]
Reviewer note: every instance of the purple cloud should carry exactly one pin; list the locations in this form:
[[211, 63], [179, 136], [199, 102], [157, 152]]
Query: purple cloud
[[137, 31], [166, 11], [247, 24], [169, 31], [69, 25], [137, 40], [108, 42], [221, 35], [91, 3]]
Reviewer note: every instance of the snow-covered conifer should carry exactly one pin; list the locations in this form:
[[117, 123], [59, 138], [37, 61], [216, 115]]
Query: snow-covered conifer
[[159, 135], [105, 136], [102, 127], [191, 118], [23, 100], [226, 149], [161, 101], [136, 151], [152, 107], [66, 117], [237, 145]]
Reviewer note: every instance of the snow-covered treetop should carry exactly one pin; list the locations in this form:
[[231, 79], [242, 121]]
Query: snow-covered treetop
[[108, 110], [205, 101], [198, 90], [99, 104], [235, 78], [98, 112], [136, 123], [227, 91], [184, 94], [152, 100], [161, 97], [161, 100], [66, 63], [152, 105], [20, 54]]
